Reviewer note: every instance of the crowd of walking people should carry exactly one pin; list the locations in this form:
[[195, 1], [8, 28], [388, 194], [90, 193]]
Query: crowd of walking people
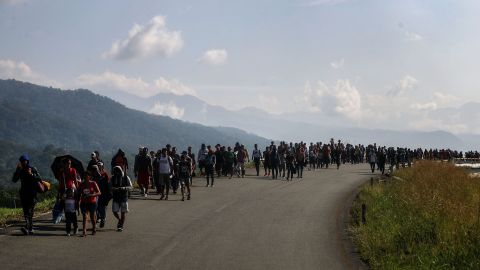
[[167, 170]]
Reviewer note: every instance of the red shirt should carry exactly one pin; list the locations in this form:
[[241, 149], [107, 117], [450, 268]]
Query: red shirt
[[68, 179], [87, 188]]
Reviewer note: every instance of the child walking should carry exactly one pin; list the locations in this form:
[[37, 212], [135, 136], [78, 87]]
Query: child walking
[[71, 208]]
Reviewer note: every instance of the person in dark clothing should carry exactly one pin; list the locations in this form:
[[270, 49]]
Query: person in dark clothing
[[120, 160], [120, 185], [93, 161], [257, 157], [290, 162], [143, 171], [102, 179], [29, 179], [176, 160], [274, 160], [266, 161], [210, 167]]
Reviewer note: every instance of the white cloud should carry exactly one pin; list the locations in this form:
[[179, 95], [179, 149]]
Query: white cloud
[[151, 39], [168, 109], [406, 84], [135, 86], [446, 99], [348, 98], [411, 36], [269, 103], [429, 106], [10, 69], [338, 64], [215, 57], [116, 81], [174, 86], [343, 99]]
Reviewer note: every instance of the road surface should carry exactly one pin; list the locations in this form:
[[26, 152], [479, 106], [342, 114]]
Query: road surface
[[250, 223]]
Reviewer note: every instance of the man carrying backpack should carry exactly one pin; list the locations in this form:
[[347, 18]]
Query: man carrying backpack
[[29, 179], [120, 185]]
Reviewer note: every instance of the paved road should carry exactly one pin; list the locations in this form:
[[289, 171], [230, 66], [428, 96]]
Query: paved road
[[250, 223]]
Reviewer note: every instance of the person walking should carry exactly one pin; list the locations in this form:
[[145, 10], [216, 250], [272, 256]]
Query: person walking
[[89, 192], [71, 208], [184, 172], [120, 185], [372, 159], [202, 154], [29, 179], [274, 161], [257, 157], [266, 161], [103, 181], [210, 167], [165, 170], [143, 171], [290, 162]]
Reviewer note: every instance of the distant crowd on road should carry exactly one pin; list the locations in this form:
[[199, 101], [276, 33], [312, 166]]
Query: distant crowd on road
[[165, 170]]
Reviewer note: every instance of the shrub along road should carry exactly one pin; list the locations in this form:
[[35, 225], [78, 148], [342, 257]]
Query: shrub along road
[[250, 223]]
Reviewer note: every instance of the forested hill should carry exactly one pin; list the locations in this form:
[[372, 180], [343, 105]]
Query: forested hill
[[37, 116]]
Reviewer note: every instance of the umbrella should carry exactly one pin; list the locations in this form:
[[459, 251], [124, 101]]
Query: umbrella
[[57, 164]]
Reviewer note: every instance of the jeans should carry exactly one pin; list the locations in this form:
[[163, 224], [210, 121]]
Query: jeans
[[71, 219], [300, 169], [257, 165], [209, 171], [101, 205], [28, 205]]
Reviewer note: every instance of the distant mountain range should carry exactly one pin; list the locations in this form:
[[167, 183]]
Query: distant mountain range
[[36, 116], [298, 126]]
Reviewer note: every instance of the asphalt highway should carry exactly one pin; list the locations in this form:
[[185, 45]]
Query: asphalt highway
[[249, 223]]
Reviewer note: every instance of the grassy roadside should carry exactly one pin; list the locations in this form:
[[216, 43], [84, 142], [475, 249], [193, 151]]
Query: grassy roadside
[[44, 204], [16, 214], [429, 219]]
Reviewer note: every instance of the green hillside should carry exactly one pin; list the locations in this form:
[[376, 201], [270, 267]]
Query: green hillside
[[33, 117]]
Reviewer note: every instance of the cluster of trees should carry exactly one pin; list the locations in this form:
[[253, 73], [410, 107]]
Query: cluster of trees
[[35, 116], [46, 122]]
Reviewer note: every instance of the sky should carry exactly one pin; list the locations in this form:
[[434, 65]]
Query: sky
[[378, 64]]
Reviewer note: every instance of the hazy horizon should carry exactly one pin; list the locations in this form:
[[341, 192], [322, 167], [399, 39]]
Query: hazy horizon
[[401, 65]]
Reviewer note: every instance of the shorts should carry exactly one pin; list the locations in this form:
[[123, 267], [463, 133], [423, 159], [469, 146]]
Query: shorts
[[120, 207], [201, 164], [88, 207], [164, 180]]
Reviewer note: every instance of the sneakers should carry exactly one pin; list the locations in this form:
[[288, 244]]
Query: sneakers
[[183, 199], [75, 231], [119, 227], [102, 223], [31, 232], [24, 230], [207, 185], [188, 197], [145, 195], [161, 197], [211, 185], [68, 234]]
